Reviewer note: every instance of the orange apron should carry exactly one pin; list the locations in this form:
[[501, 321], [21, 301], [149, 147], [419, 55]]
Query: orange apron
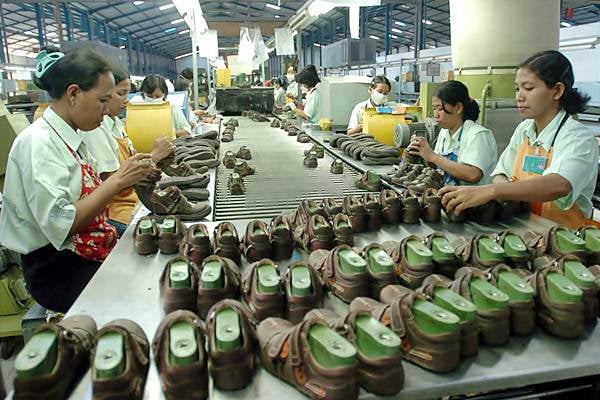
[[122, 205], [573, 217]]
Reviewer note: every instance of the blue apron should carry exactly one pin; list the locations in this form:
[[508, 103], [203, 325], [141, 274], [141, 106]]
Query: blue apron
[[452, 156]]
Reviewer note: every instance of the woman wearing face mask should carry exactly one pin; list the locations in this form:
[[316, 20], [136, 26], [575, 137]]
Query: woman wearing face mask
[[54, 203], [292, 88], [280, 86], [154, 90], [110, 146], [465, 150], [308, 81], [378, 95], [552, 159]]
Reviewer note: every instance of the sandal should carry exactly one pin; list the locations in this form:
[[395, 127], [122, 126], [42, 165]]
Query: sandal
[[413, 259]]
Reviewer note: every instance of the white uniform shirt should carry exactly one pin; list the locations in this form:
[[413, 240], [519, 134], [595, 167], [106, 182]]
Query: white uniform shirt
[[312, 107], [357, 113], [179, 121], [575, 158], [42, 185], [102, 145], [292, 89], [279, 96], [477, 147]]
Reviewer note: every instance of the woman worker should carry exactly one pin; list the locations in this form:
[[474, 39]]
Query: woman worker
[[379, 89], [465, 150], [54, 210], [292, 88], [280, 87], [154, 90], [308, 81], [552, 159], [110, 146]]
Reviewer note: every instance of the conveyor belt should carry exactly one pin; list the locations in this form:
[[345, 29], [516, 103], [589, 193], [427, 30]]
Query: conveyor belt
[[281, 180]]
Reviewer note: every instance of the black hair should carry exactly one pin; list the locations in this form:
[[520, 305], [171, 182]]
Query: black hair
[[281, 82], [120, 73], [380, 79], [188, 74], [308, 76], [454, 92], [152, 82], [552, 67], [81, 67], [293, 66], [181, 84]]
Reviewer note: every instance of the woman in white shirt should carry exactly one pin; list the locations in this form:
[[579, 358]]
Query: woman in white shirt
[[465, 150], [292, 85], [551, 161], [154, 90], [280, 86], [110, 146], [54, 203], [308, 81], [378, 96]]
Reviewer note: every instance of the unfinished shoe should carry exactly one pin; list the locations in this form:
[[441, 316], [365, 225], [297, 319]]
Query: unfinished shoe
[[483, 214], [355, 210], [444, 258], [342, 230], [342, 271], [303, 290], [331, 207], [309, 356], [170, 233], [229, 160], [275, 123], [306, 209], [378, 349], [120, 361], [244, 153], [369, 181], [561, 241], [262, 290], [226, 242], [178, 285], [302, 137], [431, 206], [310, 160], [281, 239], [243, 168], [430, 335], [391, 206], [482, 251], [317, 233], [413, 259], [255, 243], [591, 236], [373, 211], [231, 343], [54, 359], [235, 184], [196, 194], [411, 208], [195, 244], [493, 311], [171, 201], [145, 236], [436, 287], [381, 268], [180, 358], [515, 250], [520, 298], [193, 181], [337, 167], [218, 279]]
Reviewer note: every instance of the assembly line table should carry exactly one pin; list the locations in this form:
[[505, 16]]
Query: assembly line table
[[126, 286]]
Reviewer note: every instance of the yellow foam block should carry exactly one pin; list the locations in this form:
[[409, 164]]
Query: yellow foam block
[[146, 122]]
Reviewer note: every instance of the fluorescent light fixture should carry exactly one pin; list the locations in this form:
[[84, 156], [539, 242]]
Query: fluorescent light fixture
[[317, 45], [565, 24], [396, 30], [170, 30], [277, 16], [18, 68], [405, 6], [575, 42], [137, 3], [182, 32], [273, 6], [177, 21], [121, 47], [166, 7], [427, 22], [28, 33], [400, 23], [580, 47], [319, 7], [374, 37], [394, 36], [52, 34]]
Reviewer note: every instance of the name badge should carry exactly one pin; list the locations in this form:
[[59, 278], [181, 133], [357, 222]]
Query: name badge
[[535, 164]]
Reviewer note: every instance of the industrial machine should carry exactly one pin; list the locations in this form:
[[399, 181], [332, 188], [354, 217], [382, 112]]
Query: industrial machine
[[235, 100], [339, 95]]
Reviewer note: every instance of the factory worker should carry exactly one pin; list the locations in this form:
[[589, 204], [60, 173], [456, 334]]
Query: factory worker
[[465, 150], [54, 211], [552, 159], [308, 81], [292, 88], [280, 87], [379, 90], [154, 90], [110, 146]]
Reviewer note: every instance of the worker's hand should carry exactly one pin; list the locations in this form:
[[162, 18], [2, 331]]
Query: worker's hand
[[182, 133], [420, 147], [460, 198], [135, 169], [200, 112], [162, 148]]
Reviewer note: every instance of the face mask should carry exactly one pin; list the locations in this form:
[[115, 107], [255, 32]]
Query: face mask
[[151, 100], [304, 89], [290, 77], [378, 98]]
